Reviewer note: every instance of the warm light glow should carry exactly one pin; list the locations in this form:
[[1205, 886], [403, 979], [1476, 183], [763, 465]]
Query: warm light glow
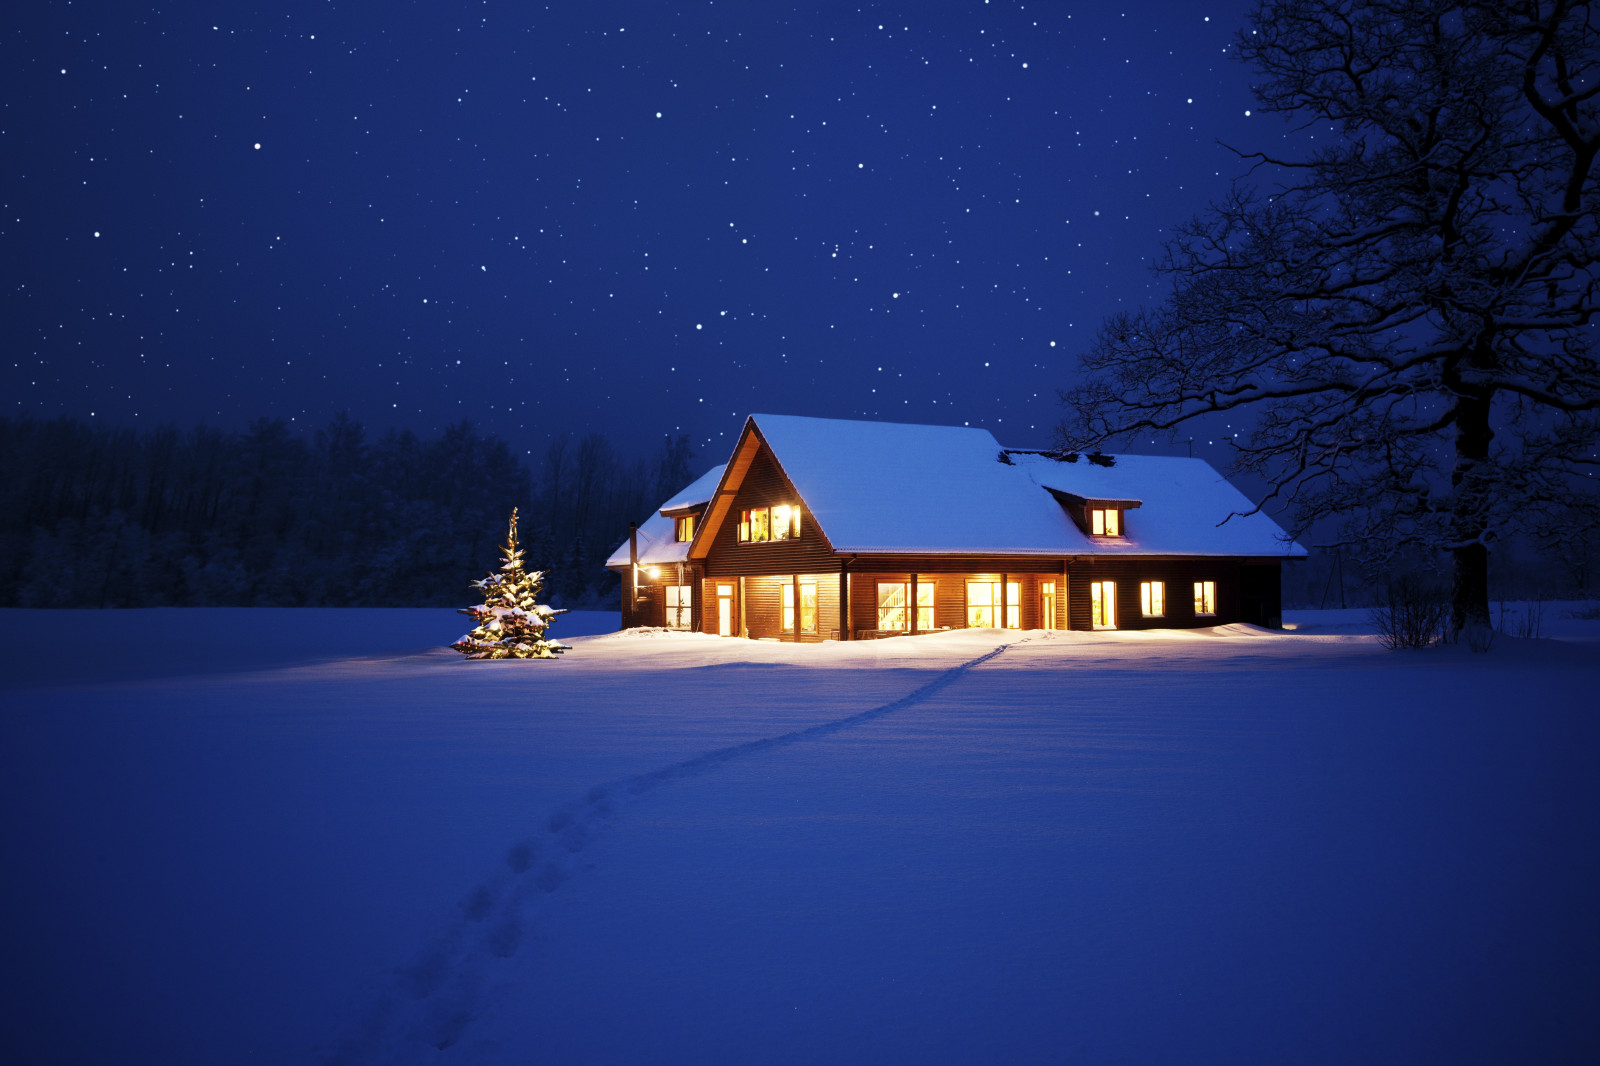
[[1103, 604], [983, 605], [1047, 604], [892, 606], [1205, 597], [808, 607], [1105, 522], [781, 522], [1153, 598]]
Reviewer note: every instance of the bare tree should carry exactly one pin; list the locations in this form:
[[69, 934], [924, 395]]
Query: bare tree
[[1404, 312]]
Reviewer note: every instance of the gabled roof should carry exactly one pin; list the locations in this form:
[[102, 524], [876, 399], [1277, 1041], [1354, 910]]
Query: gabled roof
[[656, 544], [889, 488]]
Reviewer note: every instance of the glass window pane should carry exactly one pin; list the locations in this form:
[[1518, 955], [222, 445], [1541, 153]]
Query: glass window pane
[[744, 525], [1112, 523], [1103, 604], [892, 606], [780, 522], [760, 528], [808, 608], [1097, 522]]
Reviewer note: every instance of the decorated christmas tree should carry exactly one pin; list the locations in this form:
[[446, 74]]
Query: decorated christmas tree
[[512, 623]]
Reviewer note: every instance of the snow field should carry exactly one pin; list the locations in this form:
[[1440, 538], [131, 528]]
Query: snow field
[[1217, 846]]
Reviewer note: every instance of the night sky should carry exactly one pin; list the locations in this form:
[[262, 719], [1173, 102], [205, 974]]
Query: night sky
[[626, 218]]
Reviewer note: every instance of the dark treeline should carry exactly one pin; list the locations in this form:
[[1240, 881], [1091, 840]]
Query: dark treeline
[[94, 516]]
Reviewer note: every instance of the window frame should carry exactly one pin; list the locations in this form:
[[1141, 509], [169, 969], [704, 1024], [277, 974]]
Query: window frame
[[684, 608], [1098, 604], [1105, 521], [786, 607], [883, 611], [926, 591], [1205, 599], [1153, 599], [1047, 604], [757, 525], [1012, 594], [683, 528]]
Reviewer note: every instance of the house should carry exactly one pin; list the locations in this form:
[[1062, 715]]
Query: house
[[821, 529]]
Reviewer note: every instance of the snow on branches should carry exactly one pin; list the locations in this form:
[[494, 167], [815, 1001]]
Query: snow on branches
[[511, 622]]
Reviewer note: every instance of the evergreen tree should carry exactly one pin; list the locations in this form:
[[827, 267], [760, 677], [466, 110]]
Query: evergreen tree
[[512, 624]]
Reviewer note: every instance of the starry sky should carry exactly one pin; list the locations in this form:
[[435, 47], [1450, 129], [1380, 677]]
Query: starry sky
[[631, 218]]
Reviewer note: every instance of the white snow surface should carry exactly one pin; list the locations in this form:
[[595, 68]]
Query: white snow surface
[[319, 836], [657, 546]]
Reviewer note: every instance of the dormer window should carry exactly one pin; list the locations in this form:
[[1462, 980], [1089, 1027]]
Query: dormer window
[[781, 522], [683, 528], [1105, 521]]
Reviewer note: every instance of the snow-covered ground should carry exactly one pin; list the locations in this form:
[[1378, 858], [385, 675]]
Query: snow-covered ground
[[318, 836]]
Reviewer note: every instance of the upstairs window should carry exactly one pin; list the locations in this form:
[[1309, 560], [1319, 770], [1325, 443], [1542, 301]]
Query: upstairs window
[[769, 523], [1105, 521], [1205, 597], [683, 528]]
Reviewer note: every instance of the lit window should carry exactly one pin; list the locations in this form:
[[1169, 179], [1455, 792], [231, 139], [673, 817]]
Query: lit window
[[769, 523], [1205, 597], [808, 607], [1047, 604], [683, 528], [1153, 598], [924, 604], [680, 599], [1105, 522], [1103, 604], [892, 606], [983, 605]]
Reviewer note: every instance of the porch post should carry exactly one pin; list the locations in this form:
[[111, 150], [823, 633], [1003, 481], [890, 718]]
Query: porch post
[[844, 599]]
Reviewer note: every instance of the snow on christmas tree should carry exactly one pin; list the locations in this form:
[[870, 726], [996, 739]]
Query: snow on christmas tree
[[512, 623]]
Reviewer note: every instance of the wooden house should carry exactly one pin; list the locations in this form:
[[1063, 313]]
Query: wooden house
[[820, 529]]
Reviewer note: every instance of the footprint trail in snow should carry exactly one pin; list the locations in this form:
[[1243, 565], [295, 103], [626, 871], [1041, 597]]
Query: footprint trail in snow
[[434, 1000]]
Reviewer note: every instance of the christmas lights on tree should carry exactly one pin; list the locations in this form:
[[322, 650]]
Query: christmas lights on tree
[[512, 623]]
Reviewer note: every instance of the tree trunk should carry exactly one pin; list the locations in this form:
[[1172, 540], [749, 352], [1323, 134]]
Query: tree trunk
[[1469, 585]]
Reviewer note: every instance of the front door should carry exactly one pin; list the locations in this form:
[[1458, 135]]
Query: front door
[[724, 610]]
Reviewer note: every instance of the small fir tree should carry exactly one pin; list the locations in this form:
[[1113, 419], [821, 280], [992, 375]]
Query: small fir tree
[[512, 624]]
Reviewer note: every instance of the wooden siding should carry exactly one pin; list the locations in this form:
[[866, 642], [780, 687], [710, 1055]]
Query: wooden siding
[[764, 606], [1260, 607], [651, 607], [763, 486], [1247, 591], [950, 594]]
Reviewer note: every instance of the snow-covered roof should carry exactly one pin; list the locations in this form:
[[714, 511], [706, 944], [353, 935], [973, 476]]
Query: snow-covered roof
[[657, 546], [889, 487], [1183, 504]]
